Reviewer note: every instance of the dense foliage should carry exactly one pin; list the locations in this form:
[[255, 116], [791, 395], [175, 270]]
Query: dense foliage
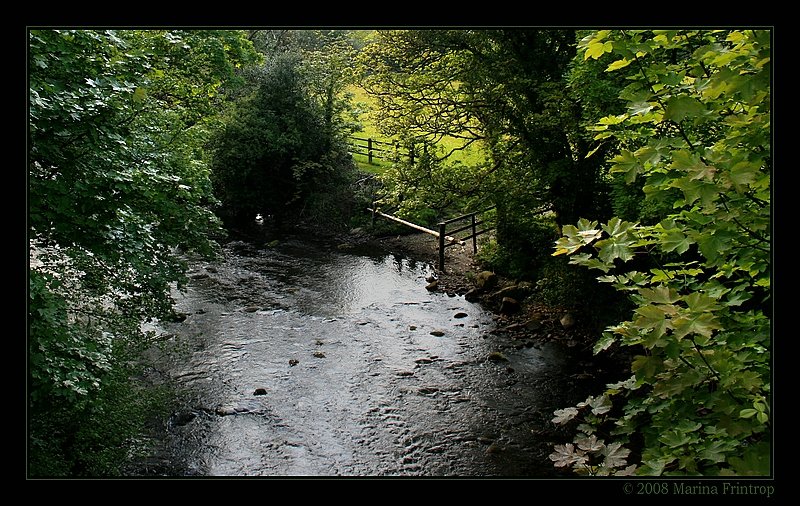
[[696, 136], [505, 93], [282, 151], [117, 182]]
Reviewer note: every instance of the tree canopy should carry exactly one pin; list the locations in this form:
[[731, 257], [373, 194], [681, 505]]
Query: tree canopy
[[283, 145], [697, 130], [117, 182]]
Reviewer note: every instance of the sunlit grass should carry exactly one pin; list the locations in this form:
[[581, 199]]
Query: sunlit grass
[[472, 155]]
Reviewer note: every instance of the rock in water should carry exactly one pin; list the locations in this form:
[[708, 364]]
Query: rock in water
[[496, 356], [432, 286], [437, 333], [260, 391]]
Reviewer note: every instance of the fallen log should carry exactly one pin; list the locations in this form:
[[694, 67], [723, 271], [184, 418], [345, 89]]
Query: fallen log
[[415, 226]]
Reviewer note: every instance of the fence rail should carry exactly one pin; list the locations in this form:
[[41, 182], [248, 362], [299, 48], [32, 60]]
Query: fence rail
[[472, 226], [445, 240], [381, 150]]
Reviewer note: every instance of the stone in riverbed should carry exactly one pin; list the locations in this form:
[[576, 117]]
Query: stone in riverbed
[[432, 286], [437, 333], [260, 391], [460, 315], [518, 292], [226, 410], [496, 356]]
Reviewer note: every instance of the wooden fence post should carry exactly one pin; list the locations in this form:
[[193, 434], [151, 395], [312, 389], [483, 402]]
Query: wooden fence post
[[474, 236], [369, 150], [442, 234]]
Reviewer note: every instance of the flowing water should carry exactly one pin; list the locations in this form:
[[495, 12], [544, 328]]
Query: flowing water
[[297, 358]]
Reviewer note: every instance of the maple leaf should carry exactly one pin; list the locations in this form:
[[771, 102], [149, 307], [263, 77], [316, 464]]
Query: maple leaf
[[615, 455], [565, 455], [564, 415], [628, 471], [591, 444]]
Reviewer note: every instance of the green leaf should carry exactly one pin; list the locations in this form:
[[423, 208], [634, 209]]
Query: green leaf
[[716, 451], [604, 342], [597, 49], [675, 240], [755, 460], [565, 455], [626, 163], [612, 248], [639, 108], [649, 316], [703, 325], [675, 438], [624, 62], [600, 405], [590, 444], [680, 107], [617, 228], [743, 173], [661, 294], [646, 367]]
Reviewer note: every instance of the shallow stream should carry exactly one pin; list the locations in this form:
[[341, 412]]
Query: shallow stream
[[298, 358]]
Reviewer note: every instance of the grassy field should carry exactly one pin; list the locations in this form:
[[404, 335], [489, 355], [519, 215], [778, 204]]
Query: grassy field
[[469, 156]]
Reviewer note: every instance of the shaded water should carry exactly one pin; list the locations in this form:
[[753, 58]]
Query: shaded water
[[351, 380]]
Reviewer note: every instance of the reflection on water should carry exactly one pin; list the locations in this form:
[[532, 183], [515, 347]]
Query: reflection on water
[[355, 381]]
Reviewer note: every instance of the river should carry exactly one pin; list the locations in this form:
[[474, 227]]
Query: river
[[298, 358]]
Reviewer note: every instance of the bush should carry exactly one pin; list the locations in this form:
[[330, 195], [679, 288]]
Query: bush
[[278, 149], [97, 437]]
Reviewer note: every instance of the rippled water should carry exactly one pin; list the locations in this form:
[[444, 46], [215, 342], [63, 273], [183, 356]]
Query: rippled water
[[351, 379]]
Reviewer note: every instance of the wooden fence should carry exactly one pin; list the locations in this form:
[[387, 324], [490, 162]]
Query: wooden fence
[[375, 149], [473, 221]]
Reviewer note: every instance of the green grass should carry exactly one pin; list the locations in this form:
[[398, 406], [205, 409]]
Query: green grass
[[471, 156]]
